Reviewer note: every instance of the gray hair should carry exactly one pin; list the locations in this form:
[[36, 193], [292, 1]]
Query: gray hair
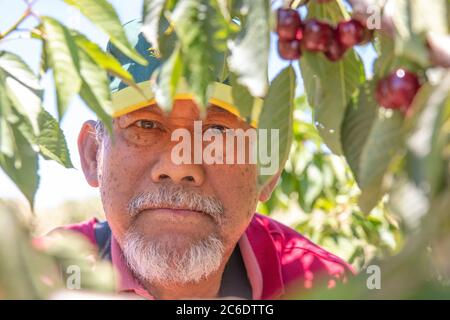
[[176, 196], [157, 261], [99, 131]]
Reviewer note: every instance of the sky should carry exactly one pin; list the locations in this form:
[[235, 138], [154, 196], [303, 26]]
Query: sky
[[57, 183]]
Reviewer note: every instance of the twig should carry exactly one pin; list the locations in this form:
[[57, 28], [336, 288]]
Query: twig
[[26, 14], [29, 3], [11, 29]]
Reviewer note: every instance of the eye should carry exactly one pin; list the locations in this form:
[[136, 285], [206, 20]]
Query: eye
[[147, 124], [216, 128]]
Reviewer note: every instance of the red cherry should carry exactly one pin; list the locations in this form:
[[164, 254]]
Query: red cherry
[[397, 90], [299, 34], [350, 32], [335, 50], [367, 35], [288, 24], [289, 50], [316, 35]]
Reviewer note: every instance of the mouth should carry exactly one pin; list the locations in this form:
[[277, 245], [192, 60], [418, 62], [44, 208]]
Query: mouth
[[173, 212]]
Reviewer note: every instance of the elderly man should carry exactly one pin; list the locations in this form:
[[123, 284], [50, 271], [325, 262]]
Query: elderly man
[[187, 230]]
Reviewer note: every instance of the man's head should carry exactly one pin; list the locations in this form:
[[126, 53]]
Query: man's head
[[174, 222]]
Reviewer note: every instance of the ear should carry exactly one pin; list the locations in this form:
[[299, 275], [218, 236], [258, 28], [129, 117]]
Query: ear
[[88, 148], [267, 189]]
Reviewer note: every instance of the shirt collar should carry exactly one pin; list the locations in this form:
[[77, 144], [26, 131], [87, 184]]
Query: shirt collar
[[265, 243]]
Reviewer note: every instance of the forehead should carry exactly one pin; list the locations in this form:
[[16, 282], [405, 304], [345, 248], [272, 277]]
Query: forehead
[[184, 108]]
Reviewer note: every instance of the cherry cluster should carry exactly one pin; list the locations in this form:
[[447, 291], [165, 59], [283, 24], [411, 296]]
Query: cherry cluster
[[397, 90], [294, 35]]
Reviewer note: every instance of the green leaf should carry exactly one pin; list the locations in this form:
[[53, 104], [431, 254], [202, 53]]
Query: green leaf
[[167, 39], [413, 48], [25, 127], [15, 67], [21, 90], [103, 15], [28, 104], [103, 59], [6, 142], [95, 89], [43, 62], [383, 143], [329, 86], [277, 113], [95, 105], [167, 80], [63, 59], [371, 195], [242, 99], [289, 183], [358, 121], [51, 140], [202, 32], [333, 11], [386, 55], [26, 114], [221, 69], [153, 10], [22, 167], [249, 51]]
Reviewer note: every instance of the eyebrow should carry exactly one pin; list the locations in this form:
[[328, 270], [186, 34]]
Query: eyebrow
[[221, 113]]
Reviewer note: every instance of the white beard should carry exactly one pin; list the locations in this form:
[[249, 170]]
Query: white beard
[[157, 262]]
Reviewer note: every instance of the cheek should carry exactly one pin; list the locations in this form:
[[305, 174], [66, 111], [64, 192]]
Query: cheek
[[236, 187], [122, 172]]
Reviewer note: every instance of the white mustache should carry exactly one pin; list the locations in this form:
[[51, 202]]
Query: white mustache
[[176, 197]]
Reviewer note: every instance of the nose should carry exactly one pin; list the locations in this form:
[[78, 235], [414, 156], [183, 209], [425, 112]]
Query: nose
[[166, 170]]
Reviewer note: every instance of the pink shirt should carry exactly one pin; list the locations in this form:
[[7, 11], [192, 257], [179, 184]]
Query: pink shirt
[[275, 256]]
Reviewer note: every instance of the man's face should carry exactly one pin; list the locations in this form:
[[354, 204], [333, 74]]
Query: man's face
[[143, 190]]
